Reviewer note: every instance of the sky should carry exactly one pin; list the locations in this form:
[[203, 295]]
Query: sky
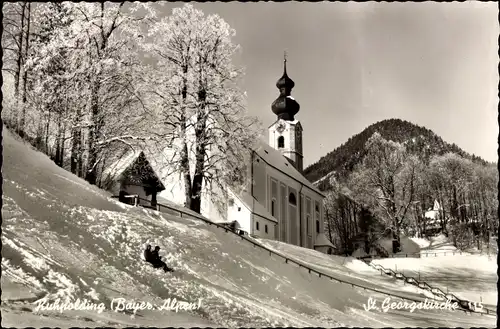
[[354, 64]]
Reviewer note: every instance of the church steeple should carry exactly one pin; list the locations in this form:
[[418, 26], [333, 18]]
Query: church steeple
[[285, 107]]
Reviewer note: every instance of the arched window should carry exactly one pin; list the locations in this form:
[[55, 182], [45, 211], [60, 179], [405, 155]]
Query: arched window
[[317, 226], [265, 228], [272, 207], [292, 200], [281, 142], [257, 226]]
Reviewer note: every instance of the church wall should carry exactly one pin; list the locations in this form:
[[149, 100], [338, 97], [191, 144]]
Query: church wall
[[283, 222], [259, 180], [293, 218], [303, 221], [174, 189], [212, 210], [239, 212], [310, 222], [315, 200], [287, 213], [318, 215]]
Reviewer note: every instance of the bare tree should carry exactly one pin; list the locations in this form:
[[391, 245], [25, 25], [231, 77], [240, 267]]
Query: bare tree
[[387, 181], [199, 108], [13, 38]]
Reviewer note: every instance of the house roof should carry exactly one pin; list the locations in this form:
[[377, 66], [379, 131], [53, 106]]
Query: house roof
[[117, 169], [275, 159], [322, 241]]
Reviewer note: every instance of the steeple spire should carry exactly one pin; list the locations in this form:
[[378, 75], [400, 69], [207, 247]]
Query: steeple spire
[[285, 107], [284, 62]]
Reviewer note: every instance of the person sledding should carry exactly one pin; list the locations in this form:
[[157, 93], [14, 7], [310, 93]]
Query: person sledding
[[153, 257]]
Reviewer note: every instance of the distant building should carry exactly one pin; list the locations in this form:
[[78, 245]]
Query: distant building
[[434, 212], [133, 175], [432, 217]]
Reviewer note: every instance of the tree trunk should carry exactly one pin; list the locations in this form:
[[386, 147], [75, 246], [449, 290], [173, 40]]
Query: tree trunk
[[185, 152], [19, 62], [47, 126], [25, 75], [95, 121], [39, 134], [63, 140], [58, 140], [76, 139], [200, 161]]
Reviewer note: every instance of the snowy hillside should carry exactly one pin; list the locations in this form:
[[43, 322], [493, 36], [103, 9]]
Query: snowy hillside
[[470, 276], [63, 238]]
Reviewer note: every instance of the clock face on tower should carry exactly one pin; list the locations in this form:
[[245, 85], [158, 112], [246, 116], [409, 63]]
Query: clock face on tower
[[280, 127]]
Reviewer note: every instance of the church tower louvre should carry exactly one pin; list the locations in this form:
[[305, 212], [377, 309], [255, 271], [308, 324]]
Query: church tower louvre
[[285, 134]]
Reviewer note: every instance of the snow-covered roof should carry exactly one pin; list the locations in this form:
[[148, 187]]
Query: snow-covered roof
[[277, 160], [115, 170], [322, 241], [254, 206]]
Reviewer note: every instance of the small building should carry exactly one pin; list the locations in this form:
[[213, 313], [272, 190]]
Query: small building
[[324, 245], [132, 175]]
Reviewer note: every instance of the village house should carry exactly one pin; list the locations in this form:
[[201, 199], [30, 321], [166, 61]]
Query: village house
[[132, 175]]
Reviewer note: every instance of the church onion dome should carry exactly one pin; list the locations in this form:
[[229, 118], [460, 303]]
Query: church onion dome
[[285, 106], [285, 81]]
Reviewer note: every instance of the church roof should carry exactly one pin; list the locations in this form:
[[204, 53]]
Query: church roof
[[285, 106], [275, 159]]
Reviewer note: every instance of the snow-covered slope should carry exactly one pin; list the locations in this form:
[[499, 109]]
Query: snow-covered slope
[[63, 238], [470, 276]]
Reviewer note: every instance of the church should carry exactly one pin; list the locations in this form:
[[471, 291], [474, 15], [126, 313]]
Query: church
[[282, 204]]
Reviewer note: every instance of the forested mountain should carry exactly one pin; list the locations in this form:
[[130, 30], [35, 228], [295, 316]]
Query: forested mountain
[[418, 140]]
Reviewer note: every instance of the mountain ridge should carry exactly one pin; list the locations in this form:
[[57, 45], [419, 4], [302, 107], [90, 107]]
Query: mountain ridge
[[418, 140]]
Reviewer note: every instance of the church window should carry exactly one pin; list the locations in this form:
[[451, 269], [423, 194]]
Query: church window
[[265, 228], [257, 226], [292, 200], [317, 226], [281, 142], [272, 207]]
